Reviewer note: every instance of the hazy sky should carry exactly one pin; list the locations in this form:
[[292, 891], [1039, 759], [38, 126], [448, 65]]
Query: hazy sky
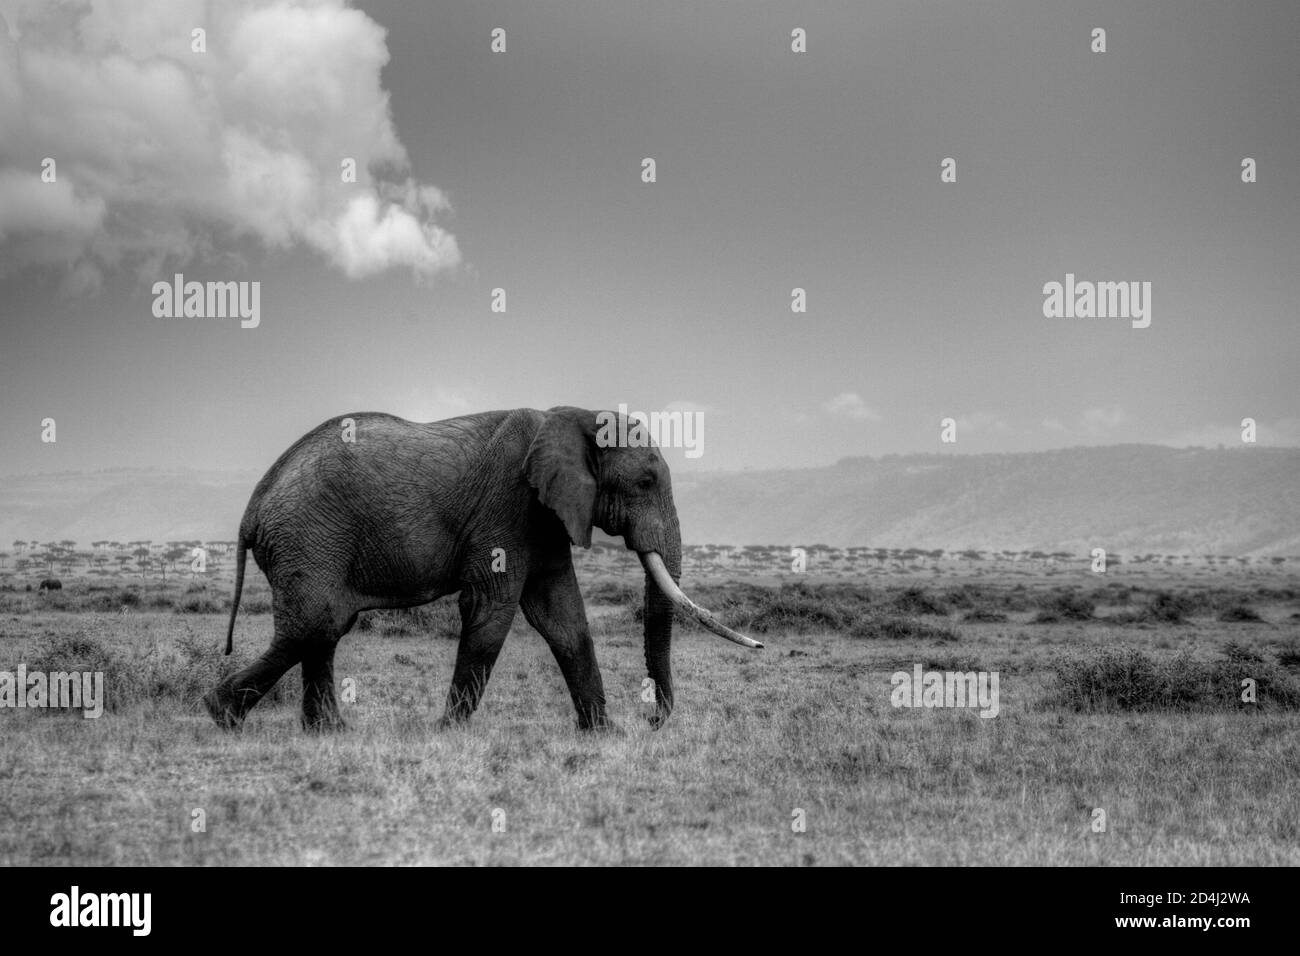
[[522, 170]]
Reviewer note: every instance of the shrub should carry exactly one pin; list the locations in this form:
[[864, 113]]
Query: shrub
[[890, 628], [917, 601], [438, 619], [792, 613], [1167, 608], [1064, 606], [797, 607], [617, 593], [982, 616], [1128, 680], [953, 662], [198, 604], [1240, 654], [1163, 608], [1239, 613], [203, 664], [182, 673]]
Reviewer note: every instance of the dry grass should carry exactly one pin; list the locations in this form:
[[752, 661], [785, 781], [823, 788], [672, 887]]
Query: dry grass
[[805, 724]]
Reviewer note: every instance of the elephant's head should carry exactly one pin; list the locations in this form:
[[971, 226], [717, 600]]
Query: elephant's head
[[624, 489]]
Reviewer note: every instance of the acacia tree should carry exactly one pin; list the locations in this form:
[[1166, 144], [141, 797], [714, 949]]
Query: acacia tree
[[48, 557], [169, 559]]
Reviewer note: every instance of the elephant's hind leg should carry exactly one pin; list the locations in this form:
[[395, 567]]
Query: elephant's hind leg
[[306, 631], [320, 705], [484, 626], [231, 700]]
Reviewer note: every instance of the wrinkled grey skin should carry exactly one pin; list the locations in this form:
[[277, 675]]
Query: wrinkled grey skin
[[410, 512]]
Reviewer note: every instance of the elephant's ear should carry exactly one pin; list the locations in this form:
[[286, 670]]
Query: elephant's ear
[[561, 465]]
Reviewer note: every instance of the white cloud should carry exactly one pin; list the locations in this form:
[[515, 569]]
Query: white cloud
[[432, 405], [850, 405], [164, 154], [1281, 432], [1099, 421], [981, 422]]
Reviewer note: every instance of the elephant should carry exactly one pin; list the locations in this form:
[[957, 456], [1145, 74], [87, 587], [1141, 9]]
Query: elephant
[[373, 511]]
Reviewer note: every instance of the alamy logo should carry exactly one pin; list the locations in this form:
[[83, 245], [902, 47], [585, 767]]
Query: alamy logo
[[63, 689], [1098, 300], [208, 300], [946, 689], [102, 909], [639, 430]]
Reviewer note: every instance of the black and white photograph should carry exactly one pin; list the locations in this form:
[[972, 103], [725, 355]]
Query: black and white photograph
[[617, 434]]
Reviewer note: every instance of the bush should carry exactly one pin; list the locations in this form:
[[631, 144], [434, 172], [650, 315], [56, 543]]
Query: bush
[[616, 593], [198, 604], [890, 628], [181, 673], [1163, 608], [798, 607], [67, 652], [1064, 606], [982, 616], [1128, 680], [792, 613], [916, 601], [959, 663], [1239, 613], [1166, 608], [438, 619], [202, 665]]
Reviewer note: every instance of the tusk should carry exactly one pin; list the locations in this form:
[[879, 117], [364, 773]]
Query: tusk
[[656, 568]]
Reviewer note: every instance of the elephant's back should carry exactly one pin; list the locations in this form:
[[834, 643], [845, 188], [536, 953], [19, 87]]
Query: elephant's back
[[363, 465]]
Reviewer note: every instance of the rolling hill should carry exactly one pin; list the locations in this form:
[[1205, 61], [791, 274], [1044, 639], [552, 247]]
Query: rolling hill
[[1241, 501]]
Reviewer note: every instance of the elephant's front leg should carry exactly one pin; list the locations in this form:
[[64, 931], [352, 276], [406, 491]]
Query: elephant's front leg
[[484, 626], [553, 604]]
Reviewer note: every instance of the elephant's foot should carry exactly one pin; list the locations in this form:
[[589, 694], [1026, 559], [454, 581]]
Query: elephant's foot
[[592, 718], [320, 710], [222, 710]]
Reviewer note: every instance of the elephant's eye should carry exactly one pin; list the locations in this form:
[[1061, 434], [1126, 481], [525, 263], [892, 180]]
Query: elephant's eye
[[646, 481]]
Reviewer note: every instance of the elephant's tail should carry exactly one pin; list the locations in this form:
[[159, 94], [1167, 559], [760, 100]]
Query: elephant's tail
[[240, 560]]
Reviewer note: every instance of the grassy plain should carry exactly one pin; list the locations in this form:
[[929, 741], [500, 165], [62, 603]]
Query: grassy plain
[[802, 730]]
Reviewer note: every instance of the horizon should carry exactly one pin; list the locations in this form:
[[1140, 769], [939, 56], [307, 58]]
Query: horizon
[[706, 470]]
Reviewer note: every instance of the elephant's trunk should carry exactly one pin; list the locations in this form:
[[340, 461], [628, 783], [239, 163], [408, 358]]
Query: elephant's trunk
[[659, 634], [661, 595]]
